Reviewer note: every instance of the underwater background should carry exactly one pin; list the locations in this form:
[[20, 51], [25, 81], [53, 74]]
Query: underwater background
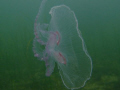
[[99, 22]]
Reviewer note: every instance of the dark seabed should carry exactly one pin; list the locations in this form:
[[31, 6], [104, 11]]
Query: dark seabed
[[99, 22]]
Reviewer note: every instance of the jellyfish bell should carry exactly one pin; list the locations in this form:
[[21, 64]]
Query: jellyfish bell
[[63, 43]]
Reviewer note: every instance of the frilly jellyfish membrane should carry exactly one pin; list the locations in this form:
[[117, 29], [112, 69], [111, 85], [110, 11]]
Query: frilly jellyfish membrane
[[61, 41]]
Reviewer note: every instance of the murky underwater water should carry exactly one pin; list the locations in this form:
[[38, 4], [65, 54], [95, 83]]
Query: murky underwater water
[[99, 23]]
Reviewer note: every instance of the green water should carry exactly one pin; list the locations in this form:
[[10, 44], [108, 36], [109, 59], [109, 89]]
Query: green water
[[99, 22]]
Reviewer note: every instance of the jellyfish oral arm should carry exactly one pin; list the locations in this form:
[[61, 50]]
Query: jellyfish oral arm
[[59, 57], [64, 60], [53, 40], [58, 37]]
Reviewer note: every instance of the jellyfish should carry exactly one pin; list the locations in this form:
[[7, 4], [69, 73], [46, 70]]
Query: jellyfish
[[60, 41]]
